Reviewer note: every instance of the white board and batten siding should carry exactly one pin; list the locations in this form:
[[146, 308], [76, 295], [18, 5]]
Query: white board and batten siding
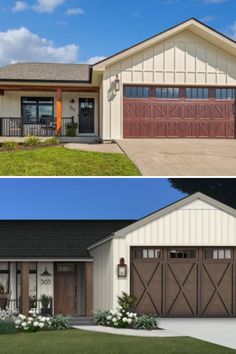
[[195, 224], [184, 59]]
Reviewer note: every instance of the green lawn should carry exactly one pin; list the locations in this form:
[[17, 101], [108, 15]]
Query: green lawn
[[82, 342], [58, 161]]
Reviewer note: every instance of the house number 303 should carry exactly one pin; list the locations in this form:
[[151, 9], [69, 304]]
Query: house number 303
[[45, 281]]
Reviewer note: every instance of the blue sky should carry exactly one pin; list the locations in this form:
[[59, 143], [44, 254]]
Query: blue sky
[[79, 30], [84, 198]]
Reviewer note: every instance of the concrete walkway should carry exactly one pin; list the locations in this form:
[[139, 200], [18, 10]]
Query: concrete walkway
[[219, 331], [130, 332], [111, 148], [182, 157]]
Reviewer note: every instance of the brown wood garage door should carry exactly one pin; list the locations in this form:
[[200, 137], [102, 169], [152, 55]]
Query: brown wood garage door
[[183, 282], [150, 117]]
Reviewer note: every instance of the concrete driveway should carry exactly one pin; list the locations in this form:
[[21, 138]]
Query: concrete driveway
[[220, 331], [182, 157]]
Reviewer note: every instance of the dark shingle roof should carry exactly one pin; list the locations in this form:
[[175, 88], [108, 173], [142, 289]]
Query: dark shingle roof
[[53, 238], [46, 72]]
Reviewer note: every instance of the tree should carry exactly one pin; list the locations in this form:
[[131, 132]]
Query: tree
[[221, 189]]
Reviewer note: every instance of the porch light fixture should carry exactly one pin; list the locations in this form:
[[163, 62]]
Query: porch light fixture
[[46, 273], [122, 269], [72, 101], [117, 83]]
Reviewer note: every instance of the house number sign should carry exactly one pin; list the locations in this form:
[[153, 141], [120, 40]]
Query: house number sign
[[45, 281]]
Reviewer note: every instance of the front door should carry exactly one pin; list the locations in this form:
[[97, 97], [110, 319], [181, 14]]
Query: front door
[[65, 289], [86, 115]]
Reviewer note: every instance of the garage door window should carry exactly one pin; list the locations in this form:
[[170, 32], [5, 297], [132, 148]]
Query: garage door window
[[167, 93], [147, 253], [199, 93], [136, 91], [225, 94], [215, 254], [182, 253]]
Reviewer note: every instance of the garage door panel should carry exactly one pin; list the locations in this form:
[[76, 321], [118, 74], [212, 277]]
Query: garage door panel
[[153, 118], [181, 289], [217, 289]]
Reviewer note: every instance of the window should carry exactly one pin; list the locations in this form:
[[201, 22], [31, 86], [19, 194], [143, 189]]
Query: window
[[36, 109], [65, 267], [4, 277], [167, 92], [147, 253], [197, 93], [225, 94], [136, 91], [32, 283], [182, 253], [217, 254]]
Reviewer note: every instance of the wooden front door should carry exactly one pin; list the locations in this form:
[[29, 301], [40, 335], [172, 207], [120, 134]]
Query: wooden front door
[[65, 289]]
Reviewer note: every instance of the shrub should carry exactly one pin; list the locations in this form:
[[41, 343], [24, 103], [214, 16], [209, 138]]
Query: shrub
[[51, 141], [7, 314], [32, 323], [126, 301], [100, 317], [146, 322], [32, 141], [60, 322], [71, 129], [11, 145], [7, 326]]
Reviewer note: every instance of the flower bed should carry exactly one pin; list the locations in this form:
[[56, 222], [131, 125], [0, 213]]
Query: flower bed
[[31, 142], [124, 317]]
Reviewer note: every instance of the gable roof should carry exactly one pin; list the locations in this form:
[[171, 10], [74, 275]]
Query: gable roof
[[199, 28], [48, 239], [46, 72], [164, 211]]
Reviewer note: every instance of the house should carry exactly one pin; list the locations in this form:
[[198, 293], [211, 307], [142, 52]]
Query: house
[[178, 261], [179, 83]]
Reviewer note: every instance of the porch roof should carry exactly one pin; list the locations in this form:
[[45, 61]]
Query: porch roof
[[53, 238], [46, 72]]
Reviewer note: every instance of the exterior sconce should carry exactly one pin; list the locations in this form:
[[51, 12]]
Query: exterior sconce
[[46, 273], [72, 101], [122, 269], [117, 83]]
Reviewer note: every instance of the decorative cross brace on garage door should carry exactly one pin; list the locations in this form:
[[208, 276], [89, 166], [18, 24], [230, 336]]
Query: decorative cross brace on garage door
[[216, 286], [181, 288]]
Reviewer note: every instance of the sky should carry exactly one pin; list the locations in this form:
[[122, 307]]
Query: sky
[[84, 198], [73, 31]]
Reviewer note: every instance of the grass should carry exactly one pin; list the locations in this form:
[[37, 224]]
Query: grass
[[58, 161], [82, 342]]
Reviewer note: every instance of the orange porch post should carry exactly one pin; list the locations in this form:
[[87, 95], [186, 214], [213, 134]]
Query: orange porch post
[[59, 111]]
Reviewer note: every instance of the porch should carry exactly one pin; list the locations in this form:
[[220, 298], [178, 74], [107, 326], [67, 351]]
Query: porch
[[66, 287], [67, 112]]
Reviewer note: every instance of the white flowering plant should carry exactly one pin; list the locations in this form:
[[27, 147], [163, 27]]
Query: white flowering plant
[[125, 317], [32, 323]]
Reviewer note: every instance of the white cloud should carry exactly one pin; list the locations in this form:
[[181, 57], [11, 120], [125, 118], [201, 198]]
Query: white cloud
[[20, 6], [47, 5], [231, 32], [207, 18], [94, 60], [75, 11], [17, 45]]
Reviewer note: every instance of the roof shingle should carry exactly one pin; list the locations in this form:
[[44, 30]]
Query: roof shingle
[[46, 72]]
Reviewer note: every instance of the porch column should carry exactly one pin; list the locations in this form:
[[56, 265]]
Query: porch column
[[59, 111], [25, 288], [88, 269]]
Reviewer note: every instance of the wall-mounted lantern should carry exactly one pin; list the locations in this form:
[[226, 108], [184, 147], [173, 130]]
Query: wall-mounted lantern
[[72, 101], [122, 268], [117, 83], [46, 273]]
